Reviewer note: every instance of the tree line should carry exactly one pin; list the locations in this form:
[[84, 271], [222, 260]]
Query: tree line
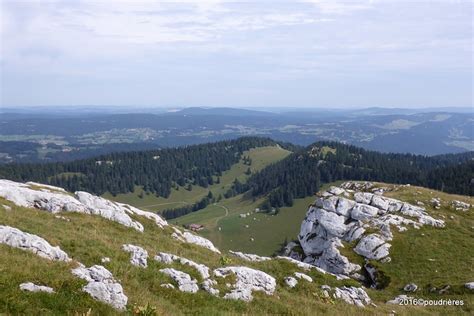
[[156, 170], [302, 173]]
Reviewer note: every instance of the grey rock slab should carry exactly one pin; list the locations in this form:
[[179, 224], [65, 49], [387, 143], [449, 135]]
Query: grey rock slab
[[16, 238], [102, 286], [184, 280], [31, 287]]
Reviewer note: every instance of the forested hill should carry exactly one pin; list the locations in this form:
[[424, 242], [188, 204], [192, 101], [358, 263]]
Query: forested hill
[[155, 170], [301, 174]]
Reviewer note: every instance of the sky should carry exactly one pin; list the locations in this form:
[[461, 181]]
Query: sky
[[396, 53]]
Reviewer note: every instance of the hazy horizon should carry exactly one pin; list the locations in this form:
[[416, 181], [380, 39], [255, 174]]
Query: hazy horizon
[[313, 54]]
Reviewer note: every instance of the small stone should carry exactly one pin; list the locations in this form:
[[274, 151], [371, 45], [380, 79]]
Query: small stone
[[291, 282], [411, 287], [31, 287], [469, 285]]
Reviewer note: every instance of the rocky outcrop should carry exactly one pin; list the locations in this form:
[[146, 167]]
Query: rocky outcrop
[[107, 209], [249, 257], [102, 286], [16, 238], [189, 238], [31, 287], [352, 295], [346, 214], [184, 280], [139, 256], [248, 280], [54, 200], [167, 258], [469, 285], [160, 222]]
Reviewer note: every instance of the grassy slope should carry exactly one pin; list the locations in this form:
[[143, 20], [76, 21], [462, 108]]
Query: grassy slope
[[88, 238], [261, 157]]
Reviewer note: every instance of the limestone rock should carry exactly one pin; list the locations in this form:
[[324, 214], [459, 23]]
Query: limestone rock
[[336, 218], [107, 209], [189, 238], [302, 265], [379, 202], [362, 212], [54, 200], [167, 258], [372, 247], [31, 287], [354, 232], [469, 285], [208, 286], [400, 298], [363, 197], [332, 261], [102, 286], [184, 280], [292, 250], [291, 282], [167, 286], [160, 222], [331, 222], [344, 207], [352, 295], [249, 257], [303, 276], [460, 206], [336, 190], [16, 238], [248, 280], [139, 256], [105, 260]]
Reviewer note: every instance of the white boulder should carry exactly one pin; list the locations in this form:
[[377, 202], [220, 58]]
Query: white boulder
[[469, 285], [189, 238], [248, 280], [291, 282], [31, 287], [168, 258], [352, 295], [139, 256], [102, 285], [303, 276], [184, 280], [16, 238]]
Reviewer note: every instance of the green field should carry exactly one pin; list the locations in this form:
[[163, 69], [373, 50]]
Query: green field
[[224, 226], [261, 157], [231, 232]]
